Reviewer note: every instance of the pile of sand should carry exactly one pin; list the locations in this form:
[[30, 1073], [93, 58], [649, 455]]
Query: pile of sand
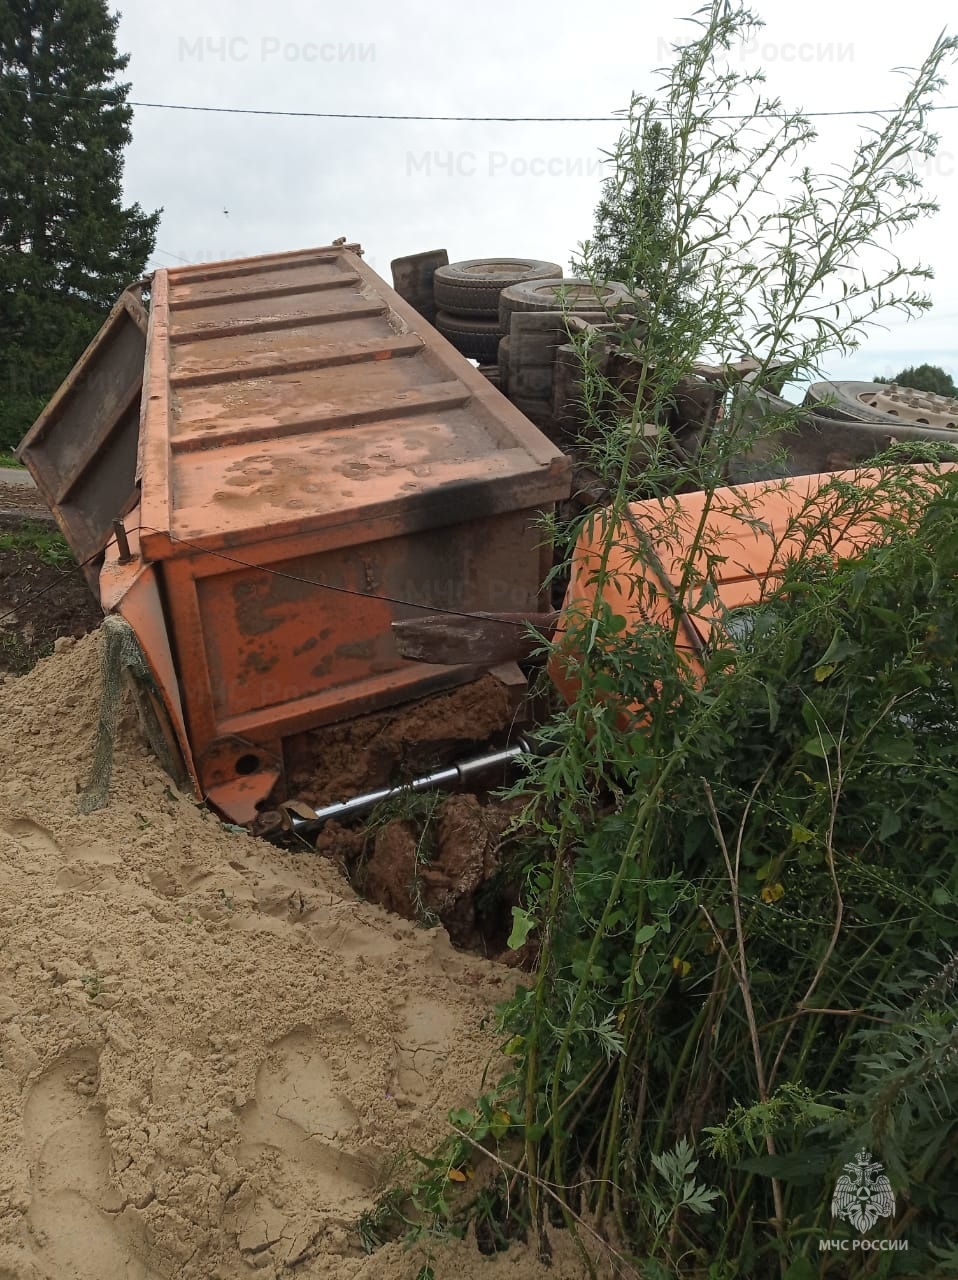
[[211, 1053]]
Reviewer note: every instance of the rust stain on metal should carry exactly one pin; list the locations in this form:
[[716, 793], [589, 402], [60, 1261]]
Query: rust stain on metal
[[258, 664], [356, 649], [309, 643], [252, 609]]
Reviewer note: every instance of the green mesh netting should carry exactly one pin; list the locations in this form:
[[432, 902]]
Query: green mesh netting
[[122, 662]]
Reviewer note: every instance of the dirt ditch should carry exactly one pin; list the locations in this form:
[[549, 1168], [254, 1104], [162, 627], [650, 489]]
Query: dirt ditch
[[434, 857], [214, 1054]]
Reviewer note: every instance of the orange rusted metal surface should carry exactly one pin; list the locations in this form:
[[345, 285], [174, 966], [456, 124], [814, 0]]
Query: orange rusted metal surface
[[315, 462], [752, 530]]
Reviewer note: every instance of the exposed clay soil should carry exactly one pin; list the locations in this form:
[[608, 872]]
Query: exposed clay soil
[[446, 865], [375, 750], [456, 879], [212, 1053]]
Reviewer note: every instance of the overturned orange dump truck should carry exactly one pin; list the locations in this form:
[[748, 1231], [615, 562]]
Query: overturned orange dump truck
[[262, 473]]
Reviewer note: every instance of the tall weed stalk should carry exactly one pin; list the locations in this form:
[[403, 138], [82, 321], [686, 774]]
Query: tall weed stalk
[[737, 872]]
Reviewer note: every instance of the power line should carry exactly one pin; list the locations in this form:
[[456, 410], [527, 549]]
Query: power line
[[267, 569], [355, 115], [619, 117], [166, 254], [368, 115], [61, 577]]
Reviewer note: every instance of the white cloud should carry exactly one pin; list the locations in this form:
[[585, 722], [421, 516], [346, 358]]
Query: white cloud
[[483, 188]]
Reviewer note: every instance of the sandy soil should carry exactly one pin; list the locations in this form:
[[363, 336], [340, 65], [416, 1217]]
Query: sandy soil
[[211, 1053]]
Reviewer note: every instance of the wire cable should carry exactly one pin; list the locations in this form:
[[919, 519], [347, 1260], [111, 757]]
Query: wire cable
[[64, 574], [259, 568], [328, 586], [618, 117]]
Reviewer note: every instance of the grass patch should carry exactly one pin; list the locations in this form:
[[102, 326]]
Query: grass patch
[[8, 459], [46, 544]]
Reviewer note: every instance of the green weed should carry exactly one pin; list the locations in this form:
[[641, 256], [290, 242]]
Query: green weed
[[744, 892], [46, 544], [93, 985]]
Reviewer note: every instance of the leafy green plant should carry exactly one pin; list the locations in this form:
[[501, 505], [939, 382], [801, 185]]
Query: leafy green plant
[[746, 1129], [740, 856], [732, 876], [676, 1189], [45, 543], [417, 809], [378, 1224], [13, 651], [803, 785]]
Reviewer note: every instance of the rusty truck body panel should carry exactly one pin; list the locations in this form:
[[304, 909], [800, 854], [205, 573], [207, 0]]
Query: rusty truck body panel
[[738, 539], [82, 450], [315, 463]]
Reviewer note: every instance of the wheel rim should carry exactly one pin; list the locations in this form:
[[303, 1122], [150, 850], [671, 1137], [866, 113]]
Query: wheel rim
[[924, 407], [497, 269], [576, 295]]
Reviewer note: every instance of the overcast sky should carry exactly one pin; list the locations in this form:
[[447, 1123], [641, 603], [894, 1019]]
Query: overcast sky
[[234, 185]]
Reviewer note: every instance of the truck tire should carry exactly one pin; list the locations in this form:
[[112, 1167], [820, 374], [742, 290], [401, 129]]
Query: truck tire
[[472, 287], [532, 382], [477, 339], [880, 402], [817, 440], [504, 366], [534, 337], [539, 413], [570, 294]]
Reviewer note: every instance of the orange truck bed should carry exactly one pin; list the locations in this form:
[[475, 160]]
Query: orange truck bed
[[315, 462]]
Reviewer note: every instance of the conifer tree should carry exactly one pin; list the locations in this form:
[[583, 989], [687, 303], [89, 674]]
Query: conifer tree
[[68, 244], [636, 216]]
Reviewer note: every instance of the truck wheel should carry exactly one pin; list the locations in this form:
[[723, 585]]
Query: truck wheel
[[534, 337], [504, 366], [539, 413], [532, 383], [472, 287], [477, 339], [578, 296], [881, 402]]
